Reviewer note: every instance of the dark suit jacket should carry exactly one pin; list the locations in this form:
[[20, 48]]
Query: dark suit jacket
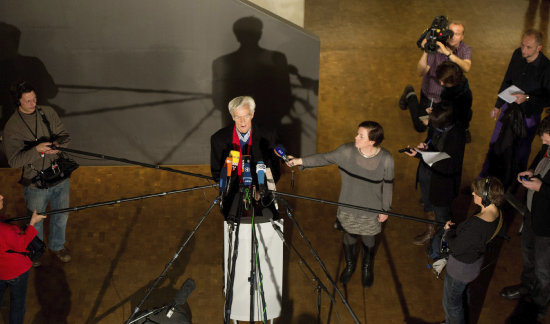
[[540, 208], [263, 143]]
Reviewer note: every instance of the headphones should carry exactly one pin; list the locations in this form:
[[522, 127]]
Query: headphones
[[485, 201]]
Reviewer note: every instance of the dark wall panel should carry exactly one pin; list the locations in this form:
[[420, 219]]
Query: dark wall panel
[[150, 80]]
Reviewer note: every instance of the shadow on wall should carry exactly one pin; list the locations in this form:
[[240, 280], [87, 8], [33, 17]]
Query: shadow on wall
[[15, 68], [262, 74]]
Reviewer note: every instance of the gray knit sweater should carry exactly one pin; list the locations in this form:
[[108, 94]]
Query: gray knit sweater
[[366, 182]]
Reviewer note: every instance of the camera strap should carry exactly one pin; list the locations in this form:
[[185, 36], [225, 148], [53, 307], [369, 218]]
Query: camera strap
[[46, 121]]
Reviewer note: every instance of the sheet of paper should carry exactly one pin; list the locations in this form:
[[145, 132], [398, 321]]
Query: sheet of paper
[[431, 157], [507, 94]]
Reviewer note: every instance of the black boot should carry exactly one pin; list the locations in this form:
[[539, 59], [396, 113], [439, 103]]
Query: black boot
[[368, 266], [350, 253]]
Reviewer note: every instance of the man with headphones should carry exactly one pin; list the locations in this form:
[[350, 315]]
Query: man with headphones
[[27, 137], [535, 237]]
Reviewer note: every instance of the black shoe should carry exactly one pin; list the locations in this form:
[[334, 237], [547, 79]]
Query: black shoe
[[367, 274], [513, 292], [403, 98], [350, 253]]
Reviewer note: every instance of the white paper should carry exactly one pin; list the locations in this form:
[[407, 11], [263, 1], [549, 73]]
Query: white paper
[[507, 94], [432, 157]]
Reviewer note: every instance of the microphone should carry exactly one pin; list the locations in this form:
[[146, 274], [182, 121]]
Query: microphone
[[281, 152], [225, 174], [247, 175], [260, 172], [228, 165], [182, 295], [235, 155]]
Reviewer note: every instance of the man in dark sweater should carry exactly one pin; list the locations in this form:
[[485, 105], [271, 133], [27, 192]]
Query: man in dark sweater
[[535, 239]]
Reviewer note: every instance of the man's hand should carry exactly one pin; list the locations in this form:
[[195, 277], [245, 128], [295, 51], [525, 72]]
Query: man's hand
[[520, 98], [495, 112], [443, 49], [528, 174], [532, 184], [44, 148], [423, 43]]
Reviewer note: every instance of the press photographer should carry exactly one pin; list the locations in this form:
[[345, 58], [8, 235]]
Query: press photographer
[[434, 52], [28, 135]]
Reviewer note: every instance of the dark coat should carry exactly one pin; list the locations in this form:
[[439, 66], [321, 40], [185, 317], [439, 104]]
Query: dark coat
[[540, 208], [447, 173], [460, 97]]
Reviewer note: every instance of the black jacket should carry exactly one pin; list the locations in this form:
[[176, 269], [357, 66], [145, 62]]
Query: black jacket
[[540, 208], [460, 97], [263, 143], [445, 174], [533, 78]]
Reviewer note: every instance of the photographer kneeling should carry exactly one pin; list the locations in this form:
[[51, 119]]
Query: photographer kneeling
[[467, 243]]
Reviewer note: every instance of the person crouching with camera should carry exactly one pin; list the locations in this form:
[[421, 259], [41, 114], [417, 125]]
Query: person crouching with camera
[[14, 265], [28, 135], [467, 243]]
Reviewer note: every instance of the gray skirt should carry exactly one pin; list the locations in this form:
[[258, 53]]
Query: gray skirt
[[359, 224]]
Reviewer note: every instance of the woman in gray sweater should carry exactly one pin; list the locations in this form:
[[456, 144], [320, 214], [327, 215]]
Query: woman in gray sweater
[[367, 181]]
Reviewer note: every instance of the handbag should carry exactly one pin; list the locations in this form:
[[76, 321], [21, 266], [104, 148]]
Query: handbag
[[35, 249]]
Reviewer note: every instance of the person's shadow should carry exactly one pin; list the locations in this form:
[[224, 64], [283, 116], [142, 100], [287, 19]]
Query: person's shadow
[[260, 73], [14, 68]]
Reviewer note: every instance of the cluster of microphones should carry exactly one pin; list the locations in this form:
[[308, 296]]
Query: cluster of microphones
[[230, 172]]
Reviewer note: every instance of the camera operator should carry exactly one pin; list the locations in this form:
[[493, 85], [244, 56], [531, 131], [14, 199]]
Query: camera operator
[[27, 140], [455, 50]]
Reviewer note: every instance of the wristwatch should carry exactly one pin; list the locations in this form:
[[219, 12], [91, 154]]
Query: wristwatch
[[526, 97], [449, 56]]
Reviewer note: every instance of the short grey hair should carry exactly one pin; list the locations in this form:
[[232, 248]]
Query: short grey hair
[[239, 102]]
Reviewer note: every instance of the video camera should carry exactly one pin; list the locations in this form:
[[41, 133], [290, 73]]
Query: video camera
[[438, 32]]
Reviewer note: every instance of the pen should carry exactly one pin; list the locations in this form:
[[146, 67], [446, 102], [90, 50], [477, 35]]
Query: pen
[[427, 143]]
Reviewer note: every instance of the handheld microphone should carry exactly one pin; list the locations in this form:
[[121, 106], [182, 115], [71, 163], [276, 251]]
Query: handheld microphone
[[235, 155], [281, 152], [247, 174], [182, 295], [260, 172], [228, 165]]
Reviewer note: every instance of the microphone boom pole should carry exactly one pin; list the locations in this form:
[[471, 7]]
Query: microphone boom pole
[[328, 202], [112, 202], [147, 165]]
